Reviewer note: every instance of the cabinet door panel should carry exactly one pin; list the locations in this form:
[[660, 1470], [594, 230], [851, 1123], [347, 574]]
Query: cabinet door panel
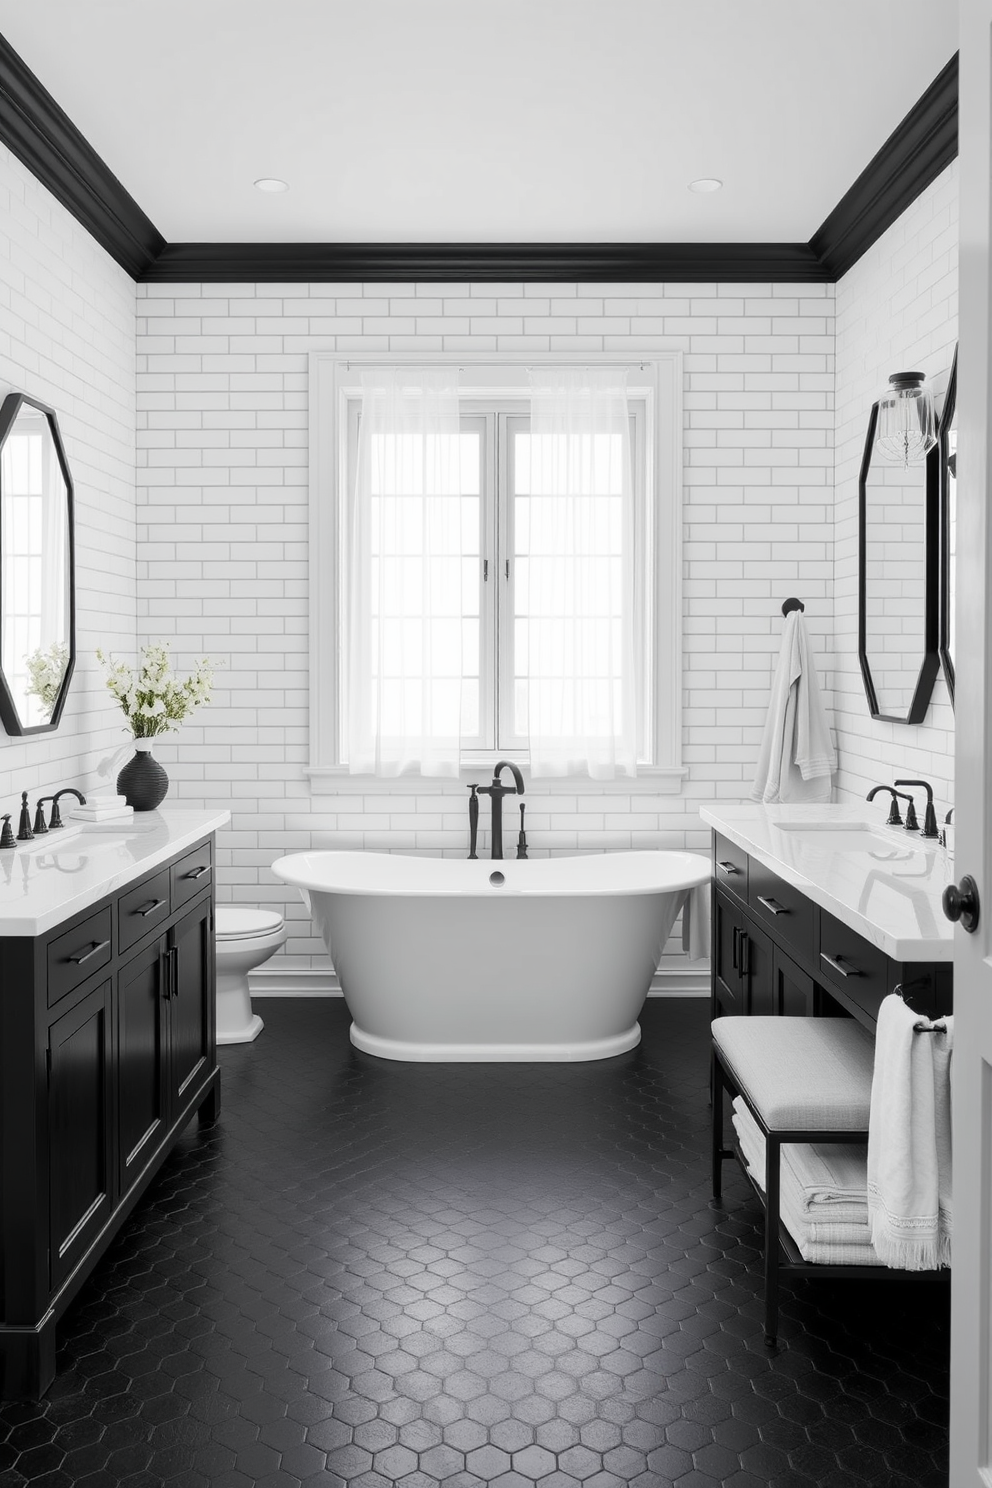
[[142, 989], [795, 991], [80, 1129], [758, 969], [727, 987], [191, 1010]]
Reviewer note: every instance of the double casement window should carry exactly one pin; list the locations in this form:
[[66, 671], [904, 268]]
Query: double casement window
[[494, 571]]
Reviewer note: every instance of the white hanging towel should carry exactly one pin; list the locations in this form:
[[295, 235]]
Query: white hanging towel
[[696, 923], [909, 1139], [797, 755]]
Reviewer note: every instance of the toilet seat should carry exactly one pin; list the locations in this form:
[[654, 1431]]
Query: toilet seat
[[235, 922]]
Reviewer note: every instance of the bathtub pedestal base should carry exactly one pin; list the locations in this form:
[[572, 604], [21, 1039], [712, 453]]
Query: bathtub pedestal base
[[495, 1053]]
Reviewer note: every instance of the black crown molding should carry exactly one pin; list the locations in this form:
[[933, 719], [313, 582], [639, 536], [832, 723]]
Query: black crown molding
[[687, 263], [38, 132], [915, 153], [49, 144]]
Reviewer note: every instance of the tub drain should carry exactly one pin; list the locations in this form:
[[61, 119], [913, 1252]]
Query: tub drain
[[496, 879]]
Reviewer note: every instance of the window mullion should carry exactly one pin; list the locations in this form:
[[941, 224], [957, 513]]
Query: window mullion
[[488, 587], [504, 647]]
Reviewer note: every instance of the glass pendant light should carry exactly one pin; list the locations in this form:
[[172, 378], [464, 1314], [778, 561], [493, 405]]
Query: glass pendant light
[[905, 432]]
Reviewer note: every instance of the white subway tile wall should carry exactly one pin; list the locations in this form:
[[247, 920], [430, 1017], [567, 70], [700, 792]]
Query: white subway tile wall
[[223, 562], [212, 553], [67, 327], [897, 311]]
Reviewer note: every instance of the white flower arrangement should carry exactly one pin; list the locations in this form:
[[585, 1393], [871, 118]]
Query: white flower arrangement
[[151, 697], [46, 668]]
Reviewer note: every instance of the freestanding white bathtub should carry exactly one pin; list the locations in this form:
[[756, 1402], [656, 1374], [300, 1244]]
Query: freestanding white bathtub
[[450, 960]]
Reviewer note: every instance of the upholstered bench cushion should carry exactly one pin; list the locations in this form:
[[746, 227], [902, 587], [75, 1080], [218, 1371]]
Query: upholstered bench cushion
[[800, 1074]]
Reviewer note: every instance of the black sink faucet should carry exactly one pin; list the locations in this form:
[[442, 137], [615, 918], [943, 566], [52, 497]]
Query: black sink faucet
[[893, 819], [496, 792], [929, 815], [55, 819]]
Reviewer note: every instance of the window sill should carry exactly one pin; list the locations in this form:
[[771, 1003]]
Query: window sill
[[333, 780]]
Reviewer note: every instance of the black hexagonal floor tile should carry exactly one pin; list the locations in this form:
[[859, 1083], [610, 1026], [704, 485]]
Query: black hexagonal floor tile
[[438, 1276]]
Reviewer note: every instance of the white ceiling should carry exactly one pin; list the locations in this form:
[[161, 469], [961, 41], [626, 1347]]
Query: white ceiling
[[485, 120]]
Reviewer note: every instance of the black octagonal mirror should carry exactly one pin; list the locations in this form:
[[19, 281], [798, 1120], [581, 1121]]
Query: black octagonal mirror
[[898, 542], [37, 622]]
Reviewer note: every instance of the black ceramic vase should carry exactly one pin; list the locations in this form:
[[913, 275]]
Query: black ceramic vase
[[142, 782]]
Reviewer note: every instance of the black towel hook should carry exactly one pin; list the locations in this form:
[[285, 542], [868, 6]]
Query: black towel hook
[[789, 605]]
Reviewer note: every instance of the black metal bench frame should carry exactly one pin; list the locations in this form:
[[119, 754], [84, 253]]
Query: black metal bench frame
[[782, 1255]]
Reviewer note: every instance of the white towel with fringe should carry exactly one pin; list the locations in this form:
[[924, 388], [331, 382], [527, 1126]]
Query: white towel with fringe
[[905, 1182], [943, 1044], [797, 756]]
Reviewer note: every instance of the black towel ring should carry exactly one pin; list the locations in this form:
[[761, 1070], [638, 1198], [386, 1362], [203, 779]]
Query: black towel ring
[[789, 605]]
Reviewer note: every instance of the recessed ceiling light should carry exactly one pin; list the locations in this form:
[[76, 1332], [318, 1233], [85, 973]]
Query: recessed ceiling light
[[271, 183], [705, 183]]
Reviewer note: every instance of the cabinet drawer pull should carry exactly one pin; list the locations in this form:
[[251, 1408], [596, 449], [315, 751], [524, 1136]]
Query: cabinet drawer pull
[[198, 872], [152, 904], [728, 868], [772, 905], [737, 931], [94, 950], [834, 962]]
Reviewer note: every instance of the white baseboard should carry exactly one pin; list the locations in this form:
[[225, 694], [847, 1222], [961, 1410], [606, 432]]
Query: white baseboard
[[686, 981], [277, 982], [287, 983]]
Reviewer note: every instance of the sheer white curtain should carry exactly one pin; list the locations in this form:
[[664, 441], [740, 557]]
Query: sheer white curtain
[[575, 641], [404, 651]]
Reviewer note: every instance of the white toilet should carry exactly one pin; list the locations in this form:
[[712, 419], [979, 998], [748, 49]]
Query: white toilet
[[245, 938]]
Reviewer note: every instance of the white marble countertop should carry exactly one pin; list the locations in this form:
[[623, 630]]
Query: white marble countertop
[[883, 882], [46, 881]]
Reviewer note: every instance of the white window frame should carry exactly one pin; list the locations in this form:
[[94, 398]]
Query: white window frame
[[656, 380]]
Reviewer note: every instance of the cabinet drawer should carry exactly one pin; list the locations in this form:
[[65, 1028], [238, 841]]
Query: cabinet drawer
[[849, 965], [780, 908], [191, 874], [730, 866], [142, 909], [78, 953]]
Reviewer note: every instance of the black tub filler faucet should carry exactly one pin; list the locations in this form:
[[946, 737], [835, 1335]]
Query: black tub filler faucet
[[495, 792]]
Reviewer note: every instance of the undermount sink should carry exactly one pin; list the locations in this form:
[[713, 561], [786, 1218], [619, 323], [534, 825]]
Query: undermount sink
[[854, 837], [80, 835], [825, 826]]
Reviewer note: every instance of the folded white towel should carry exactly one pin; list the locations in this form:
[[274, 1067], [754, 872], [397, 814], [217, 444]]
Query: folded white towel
[[797, 755], [904, 1179], [841, 1250], [696, 923], [829, 1178], [102, 813], [822, 1241], [105, 798]]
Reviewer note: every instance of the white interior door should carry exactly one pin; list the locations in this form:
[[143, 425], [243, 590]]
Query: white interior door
[[971, 1328]]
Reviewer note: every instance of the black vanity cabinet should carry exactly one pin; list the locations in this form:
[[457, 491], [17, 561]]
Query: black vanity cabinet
[[775, 951], [107, 1048], [751, 973]]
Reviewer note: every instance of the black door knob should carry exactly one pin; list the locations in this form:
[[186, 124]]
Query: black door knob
[[960, 902]]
